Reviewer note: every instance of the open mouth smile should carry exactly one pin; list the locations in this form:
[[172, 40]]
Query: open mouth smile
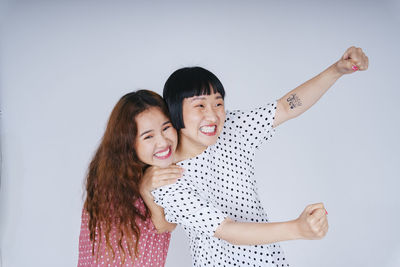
[[163, 154], [209, 130]]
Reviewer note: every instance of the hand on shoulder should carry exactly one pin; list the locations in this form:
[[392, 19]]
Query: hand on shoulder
[[155, 177]]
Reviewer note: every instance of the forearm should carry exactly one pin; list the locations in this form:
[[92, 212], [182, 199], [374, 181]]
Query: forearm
[[157, 215], [304, 96], [242, 233]]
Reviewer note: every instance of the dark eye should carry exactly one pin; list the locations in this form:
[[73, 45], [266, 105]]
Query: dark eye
[[200, 106], [148, 137], [166, 128]]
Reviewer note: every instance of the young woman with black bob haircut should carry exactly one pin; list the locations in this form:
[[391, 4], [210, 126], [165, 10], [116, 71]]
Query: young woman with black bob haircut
[[121, 227], [216, 200]]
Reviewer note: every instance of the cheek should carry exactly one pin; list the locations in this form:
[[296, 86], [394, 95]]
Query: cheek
[[173, 137], [142, 152], [190, 117], [222, 116]]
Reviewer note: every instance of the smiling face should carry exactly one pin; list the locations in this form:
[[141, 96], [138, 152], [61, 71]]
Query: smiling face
[[156, 139], [204, 118]]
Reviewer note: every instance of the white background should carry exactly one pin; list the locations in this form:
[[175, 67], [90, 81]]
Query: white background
[[64, 65]]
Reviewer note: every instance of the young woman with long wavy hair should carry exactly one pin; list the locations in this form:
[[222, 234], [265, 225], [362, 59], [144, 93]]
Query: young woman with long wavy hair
[[119, 226]]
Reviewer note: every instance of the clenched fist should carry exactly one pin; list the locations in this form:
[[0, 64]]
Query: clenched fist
[[352, 60], [313, 222]]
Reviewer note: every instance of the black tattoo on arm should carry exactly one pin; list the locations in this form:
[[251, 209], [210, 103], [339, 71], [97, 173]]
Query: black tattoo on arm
[[294, 101]]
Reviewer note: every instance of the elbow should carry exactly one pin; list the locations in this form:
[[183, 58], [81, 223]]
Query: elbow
[[165, 228], [161, 229], [171, 227], [230, 240], [223, 232], [233, 242]]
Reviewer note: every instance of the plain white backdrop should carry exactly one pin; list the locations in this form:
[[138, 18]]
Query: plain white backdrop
[[64, 65]]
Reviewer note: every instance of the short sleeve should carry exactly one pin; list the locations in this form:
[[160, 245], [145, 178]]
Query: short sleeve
[[184, 205], [255, 125]]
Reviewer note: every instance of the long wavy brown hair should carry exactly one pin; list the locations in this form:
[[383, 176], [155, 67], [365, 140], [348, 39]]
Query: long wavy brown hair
[[114, 174]]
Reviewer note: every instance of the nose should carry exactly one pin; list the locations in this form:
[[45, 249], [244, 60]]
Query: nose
[[210, 114], [161, 141]]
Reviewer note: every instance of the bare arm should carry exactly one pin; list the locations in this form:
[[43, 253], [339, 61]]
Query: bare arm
[[155, 177], [157, 215], [312, 224], [306, 95]]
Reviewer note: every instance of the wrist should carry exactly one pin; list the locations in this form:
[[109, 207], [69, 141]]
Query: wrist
[[296, 229], [335, 70], [146, 194]]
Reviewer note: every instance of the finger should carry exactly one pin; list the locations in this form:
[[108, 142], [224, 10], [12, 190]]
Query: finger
[[317, 214], [323, 220], [312, 207], [322, 228], [316, 224], [152, 168], [359, 61], [354, 53], [161, 180], [168, 170], [175, 167], [364, 64], [167, 176], [355, 61], [325, 227], [166, 182], [346, 54], [324, 224], [172, 167], [351, 65]]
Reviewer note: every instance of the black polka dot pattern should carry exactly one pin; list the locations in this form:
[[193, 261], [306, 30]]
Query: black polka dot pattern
[[218, 183], [184, 205]]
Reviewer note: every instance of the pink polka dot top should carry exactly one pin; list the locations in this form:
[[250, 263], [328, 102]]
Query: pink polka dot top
[[153, 247]]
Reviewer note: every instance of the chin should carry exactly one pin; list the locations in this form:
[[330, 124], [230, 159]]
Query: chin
[[210, 142], [162, 165]]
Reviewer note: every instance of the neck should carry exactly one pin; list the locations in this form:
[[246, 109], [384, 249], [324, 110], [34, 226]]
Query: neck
[[187, 149]]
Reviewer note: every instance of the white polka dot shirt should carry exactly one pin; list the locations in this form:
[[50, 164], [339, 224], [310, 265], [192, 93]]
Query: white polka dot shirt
[[220, 183]]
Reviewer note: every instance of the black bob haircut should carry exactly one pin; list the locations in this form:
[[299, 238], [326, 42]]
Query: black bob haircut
[[188, 82]]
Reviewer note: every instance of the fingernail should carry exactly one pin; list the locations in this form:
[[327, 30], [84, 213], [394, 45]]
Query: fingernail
[[354, 67], [326, 212]]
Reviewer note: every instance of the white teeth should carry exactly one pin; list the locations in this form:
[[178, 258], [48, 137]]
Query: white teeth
[[208, 129], [162, 154]]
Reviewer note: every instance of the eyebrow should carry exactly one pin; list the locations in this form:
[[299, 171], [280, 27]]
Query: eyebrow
[[202, 98], [148, 131]]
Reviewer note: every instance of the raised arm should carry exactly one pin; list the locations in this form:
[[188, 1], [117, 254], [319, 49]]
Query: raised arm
[[304, 96], [312, 224], [155, 177]]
